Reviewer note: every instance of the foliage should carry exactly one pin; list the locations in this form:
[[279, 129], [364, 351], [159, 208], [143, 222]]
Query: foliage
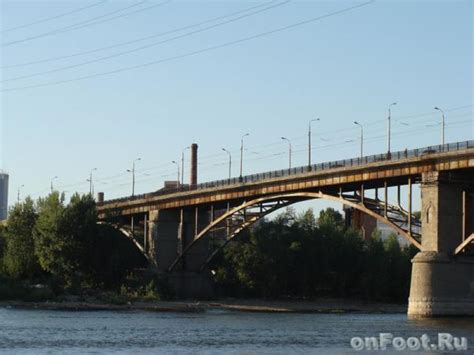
[[61, 244], [3, 230], [49, 244], [12, 290], [295, 255], [154, 287], [304, 256], [19, 260]]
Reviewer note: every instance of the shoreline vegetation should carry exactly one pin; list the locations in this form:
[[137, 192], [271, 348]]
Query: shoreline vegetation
[[241, 305], [54, 254]]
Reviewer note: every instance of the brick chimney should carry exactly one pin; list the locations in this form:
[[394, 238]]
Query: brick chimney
[[194, 162]]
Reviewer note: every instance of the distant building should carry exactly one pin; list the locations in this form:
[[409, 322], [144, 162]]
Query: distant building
[[360, 221], [3, 196], [367, 225], [172, 185]]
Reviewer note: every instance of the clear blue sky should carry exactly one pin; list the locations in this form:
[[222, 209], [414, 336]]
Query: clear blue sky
[[342, 68]]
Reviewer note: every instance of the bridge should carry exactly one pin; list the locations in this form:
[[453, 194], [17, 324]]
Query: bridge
[[182, 228]]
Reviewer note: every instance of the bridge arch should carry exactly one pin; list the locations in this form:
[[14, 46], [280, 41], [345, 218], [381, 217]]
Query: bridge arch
[[283, 200], [129, 235]]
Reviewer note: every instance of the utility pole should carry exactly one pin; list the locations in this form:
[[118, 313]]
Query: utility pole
[[389, 127], [52, 187], [289, 153], [133, 175], [242, 154], [91, 186], [442, 123], [18, 196], [230, 162], [309, 141], [182, 164], [177, 166], [361, 139]]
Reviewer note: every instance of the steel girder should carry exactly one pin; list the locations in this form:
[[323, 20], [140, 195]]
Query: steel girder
[[237, 219]]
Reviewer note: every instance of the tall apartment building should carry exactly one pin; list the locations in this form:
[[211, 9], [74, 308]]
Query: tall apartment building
[[3, 196]]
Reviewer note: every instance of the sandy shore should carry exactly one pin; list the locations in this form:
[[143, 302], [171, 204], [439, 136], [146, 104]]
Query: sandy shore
[[247, 305]]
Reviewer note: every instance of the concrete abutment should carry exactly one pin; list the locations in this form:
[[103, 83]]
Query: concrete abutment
[[442, 284]]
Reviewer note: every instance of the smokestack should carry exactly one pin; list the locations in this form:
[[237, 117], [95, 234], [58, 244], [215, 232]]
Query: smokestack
[[194, 162]]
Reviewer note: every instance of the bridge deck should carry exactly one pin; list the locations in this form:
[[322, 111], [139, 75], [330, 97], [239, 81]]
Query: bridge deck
[[347, 175]]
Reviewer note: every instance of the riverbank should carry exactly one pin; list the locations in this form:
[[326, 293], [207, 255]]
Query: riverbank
[[243, 305]]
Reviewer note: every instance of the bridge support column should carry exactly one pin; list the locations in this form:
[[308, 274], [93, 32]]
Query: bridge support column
[[441, 284], [169, 232], [162, 237], [187, 278]]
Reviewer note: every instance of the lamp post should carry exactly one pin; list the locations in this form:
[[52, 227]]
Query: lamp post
[[443, 124], [52, 179], [18, 196], [230, 162], [133, 175], [289, 152], [177, 166], [91, 186], [388, 127], [242, 154], [309, 141], [182, 164], [361, 139]]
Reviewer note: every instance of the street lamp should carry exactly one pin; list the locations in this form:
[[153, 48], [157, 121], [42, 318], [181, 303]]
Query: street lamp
[[177, 166], [52, 187], [442, 132], [361, 139], [242, 153], [182, 164], [18, 196], [389, 128], [309, 141], [230, 161], [91, 186], [289, 152], [133, 175]]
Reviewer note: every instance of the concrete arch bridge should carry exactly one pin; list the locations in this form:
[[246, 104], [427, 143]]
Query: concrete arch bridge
[[173, 226]]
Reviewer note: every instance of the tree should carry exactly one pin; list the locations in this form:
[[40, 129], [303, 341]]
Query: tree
[[19, 258], [375, 279], [2, 247], [286, 218], [78, 229], [306, 220], [301, 259], [331, 218], [64, 237], [50, 247]]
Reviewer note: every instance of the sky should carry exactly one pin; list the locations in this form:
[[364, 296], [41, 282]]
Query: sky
[[98, 84]]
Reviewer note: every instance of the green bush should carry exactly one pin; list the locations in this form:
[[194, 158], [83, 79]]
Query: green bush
[[147, 288]]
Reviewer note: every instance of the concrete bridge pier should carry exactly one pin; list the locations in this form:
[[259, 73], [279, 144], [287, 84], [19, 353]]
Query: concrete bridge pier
[[169, 232], [442, 284]]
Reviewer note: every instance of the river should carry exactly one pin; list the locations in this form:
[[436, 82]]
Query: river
[[210, 332]]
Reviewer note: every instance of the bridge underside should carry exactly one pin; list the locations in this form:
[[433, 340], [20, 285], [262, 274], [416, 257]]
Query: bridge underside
[[178, 240], [186, 240], [233, 221]]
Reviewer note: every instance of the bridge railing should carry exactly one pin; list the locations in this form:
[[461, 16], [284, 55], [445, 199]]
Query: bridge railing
[[392, 156]]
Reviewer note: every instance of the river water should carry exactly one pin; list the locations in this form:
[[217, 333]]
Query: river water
[[210, 332]]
